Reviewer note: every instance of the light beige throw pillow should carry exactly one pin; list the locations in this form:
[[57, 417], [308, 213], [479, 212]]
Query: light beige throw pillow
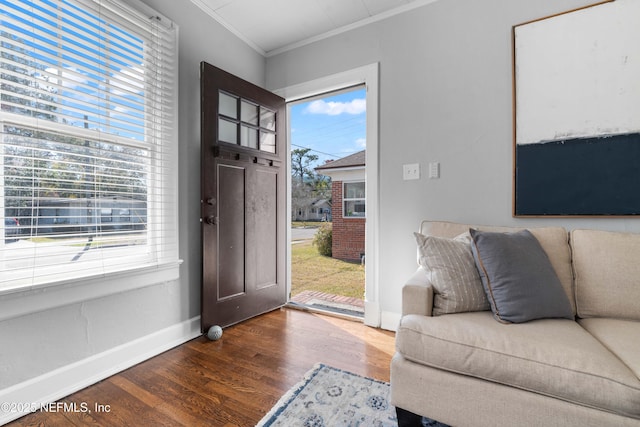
[[452, 271]]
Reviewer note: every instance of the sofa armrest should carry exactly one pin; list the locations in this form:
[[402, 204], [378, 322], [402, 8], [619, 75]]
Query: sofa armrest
[[417, 294]]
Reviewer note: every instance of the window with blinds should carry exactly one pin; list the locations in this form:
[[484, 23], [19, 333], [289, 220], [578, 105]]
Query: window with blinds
[[87, 140]]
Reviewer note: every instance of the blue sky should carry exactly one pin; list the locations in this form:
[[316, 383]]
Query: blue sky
[[333, 127], [67, 53]]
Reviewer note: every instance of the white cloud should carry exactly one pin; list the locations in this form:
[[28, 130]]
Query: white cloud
[[356, 106], [361, 142]]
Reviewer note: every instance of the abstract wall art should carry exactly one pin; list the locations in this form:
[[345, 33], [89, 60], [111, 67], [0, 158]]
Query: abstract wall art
[[577, 112]]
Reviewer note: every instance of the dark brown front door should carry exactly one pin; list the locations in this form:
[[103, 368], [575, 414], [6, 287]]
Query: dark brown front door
[[243, 199]]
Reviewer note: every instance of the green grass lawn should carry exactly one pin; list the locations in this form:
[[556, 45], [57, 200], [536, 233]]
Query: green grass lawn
[[312, 271]]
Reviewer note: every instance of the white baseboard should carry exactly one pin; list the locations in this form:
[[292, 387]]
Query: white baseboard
[[64, 381], [390, 320], [377, 318]]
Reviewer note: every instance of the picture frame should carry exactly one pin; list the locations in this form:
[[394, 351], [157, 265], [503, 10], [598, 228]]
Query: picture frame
[[576, 98]]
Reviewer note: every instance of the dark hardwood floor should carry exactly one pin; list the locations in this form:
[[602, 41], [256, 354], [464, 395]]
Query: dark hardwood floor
[[231, 382]]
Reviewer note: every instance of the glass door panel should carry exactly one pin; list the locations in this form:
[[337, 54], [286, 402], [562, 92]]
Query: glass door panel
[[228, 105], [228, 131], [248, 137], [249, 113]]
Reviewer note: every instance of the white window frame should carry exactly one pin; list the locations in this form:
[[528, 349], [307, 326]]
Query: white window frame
[[352, 199], [24, 300]]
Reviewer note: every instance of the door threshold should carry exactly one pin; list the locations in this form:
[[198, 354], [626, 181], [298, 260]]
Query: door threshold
[[336, 310]]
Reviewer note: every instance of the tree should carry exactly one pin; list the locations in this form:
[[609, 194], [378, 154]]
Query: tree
[[301, 162], [307, 186], [20, 85], [321, 186]]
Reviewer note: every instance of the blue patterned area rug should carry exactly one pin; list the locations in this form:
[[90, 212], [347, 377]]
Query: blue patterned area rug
[[329, 397]]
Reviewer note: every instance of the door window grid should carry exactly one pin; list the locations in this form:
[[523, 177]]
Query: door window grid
[[242, 122]]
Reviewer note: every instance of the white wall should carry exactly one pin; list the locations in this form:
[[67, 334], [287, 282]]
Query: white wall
[[40, 352], [445, 96]]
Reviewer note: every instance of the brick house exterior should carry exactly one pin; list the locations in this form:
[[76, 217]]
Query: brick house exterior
[[347, 176], [348, 233]]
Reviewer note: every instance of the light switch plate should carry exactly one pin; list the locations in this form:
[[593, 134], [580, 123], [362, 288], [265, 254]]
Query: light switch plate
[[434, 170], [411, 171]]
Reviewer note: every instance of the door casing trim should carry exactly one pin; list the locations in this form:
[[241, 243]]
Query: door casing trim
[[367, 75]]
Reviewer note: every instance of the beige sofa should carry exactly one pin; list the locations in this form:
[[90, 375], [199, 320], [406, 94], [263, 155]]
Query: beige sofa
[[468, 369]]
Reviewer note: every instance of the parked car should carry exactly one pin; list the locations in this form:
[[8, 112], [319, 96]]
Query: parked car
[[11, 229]]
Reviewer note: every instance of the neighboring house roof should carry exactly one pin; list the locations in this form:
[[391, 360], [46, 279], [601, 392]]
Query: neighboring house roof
[[321, 202], [352, 161]]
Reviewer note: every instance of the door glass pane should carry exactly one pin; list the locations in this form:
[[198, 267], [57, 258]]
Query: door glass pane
[[228, 105], [249, 113], [267, 119], [268, 142], [248, 137], [227, 131]]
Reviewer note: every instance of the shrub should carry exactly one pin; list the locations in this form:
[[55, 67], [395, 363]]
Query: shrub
[[322, 239]]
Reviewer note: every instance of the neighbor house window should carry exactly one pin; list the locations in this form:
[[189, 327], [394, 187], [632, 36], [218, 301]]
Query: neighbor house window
[[353, 199], [87, 140]]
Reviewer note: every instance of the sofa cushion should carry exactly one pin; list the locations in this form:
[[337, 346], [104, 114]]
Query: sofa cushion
[[450, 267], [554, 241], [547, 356], [621, 337], [518, 277], [606, 260]]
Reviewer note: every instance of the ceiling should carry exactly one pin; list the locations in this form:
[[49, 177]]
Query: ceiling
[[274, 26]]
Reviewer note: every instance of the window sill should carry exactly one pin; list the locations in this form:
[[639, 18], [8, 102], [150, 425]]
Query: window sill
[[20, 302]]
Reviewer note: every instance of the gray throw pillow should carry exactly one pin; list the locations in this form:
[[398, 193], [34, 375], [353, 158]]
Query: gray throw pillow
[[452, 271], [518, 277]]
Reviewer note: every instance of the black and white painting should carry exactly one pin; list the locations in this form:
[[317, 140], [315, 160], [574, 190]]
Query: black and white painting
[[577, 112]]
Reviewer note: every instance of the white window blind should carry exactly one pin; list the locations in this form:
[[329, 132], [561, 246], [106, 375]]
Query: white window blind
[[87, 140]]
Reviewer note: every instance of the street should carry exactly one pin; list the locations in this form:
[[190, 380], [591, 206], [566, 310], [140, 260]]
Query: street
[[299, 234]]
